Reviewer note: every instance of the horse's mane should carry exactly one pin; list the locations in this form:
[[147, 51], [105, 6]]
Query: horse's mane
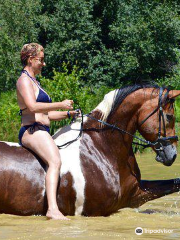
[[113, 99]]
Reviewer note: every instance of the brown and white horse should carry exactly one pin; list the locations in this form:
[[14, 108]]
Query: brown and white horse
[[99, 172]]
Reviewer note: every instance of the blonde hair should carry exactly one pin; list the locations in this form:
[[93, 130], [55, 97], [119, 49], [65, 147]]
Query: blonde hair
[[30, 49]]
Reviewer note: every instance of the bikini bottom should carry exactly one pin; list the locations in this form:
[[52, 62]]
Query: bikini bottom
[[32, 128]]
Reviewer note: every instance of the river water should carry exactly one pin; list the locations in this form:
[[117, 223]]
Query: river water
[[159, 219]]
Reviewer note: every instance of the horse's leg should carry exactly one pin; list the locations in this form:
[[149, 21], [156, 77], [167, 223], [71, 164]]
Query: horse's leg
[[150, 190]]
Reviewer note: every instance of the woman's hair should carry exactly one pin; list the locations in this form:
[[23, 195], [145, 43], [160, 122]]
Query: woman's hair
[[30, 49]]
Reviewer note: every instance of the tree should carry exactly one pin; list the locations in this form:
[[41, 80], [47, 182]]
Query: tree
[[113, 41], [18, 25]]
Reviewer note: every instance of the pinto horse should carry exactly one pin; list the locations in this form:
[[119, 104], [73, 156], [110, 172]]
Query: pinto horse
[[99, 173]]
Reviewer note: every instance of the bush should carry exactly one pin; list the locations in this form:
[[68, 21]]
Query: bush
[[9, 117], [113, 41], [18, 25]]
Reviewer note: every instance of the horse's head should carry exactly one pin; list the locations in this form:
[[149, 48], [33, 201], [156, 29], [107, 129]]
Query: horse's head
[[156, 123]]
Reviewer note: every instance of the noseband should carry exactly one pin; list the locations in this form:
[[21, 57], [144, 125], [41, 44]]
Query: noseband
[[158, 145]]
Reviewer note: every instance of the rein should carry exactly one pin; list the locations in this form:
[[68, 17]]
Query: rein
[[80, 133], [158, 144]]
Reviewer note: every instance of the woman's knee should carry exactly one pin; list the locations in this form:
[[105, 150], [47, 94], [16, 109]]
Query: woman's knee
[[55, 163]]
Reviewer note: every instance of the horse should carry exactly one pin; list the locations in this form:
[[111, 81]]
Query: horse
[[99, 173]]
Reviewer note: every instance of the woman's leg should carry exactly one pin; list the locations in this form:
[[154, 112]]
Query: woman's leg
[[44, 146]]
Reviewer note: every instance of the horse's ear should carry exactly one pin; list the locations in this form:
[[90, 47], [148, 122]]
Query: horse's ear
[[174, 93]]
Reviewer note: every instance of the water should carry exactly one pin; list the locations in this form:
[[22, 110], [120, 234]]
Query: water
[[161, 215]]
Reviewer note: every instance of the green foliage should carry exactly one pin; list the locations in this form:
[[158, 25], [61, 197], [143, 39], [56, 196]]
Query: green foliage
[[172, 80], [9, 117], [71, 33], [144, 35], [113, 41], [177, 109], [18, 21]]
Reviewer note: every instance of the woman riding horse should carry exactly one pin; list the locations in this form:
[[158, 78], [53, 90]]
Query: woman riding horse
[[37, 110], [99, 173]]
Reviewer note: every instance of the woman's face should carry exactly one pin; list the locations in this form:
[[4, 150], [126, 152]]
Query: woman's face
[[37, 62]]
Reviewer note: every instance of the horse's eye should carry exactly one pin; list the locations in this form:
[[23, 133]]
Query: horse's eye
[[169, 117]]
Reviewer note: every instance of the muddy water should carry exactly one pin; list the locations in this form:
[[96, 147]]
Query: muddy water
[[159, 219]]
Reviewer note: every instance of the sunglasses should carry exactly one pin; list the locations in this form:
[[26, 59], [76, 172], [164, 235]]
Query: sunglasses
[[39, 59]]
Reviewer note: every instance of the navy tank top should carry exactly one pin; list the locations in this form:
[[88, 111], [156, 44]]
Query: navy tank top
[[42, 96]]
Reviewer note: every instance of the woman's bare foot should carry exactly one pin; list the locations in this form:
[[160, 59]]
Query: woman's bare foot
[[55, 214]]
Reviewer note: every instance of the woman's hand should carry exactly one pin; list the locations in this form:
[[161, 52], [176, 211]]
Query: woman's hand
[[67, 104], [74, 114]]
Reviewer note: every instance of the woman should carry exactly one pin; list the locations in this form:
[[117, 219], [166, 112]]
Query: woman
[[37, 110]]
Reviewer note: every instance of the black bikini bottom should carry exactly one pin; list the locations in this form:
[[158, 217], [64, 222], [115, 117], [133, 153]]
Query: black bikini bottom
[[33, 127]]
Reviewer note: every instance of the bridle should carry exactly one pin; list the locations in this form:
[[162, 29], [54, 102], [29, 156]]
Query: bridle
[[161, 114], [160, 142]]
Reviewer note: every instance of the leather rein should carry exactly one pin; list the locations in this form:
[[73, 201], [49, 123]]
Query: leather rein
[[160, 141]]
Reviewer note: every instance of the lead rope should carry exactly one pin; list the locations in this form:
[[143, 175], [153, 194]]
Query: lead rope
[[80, 133]]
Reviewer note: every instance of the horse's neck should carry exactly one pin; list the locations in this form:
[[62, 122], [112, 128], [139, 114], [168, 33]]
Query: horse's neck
[[125, 118]]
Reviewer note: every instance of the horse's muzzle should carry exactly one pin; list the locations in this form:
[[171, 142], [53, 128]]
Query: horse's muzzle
[[166, 154]]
